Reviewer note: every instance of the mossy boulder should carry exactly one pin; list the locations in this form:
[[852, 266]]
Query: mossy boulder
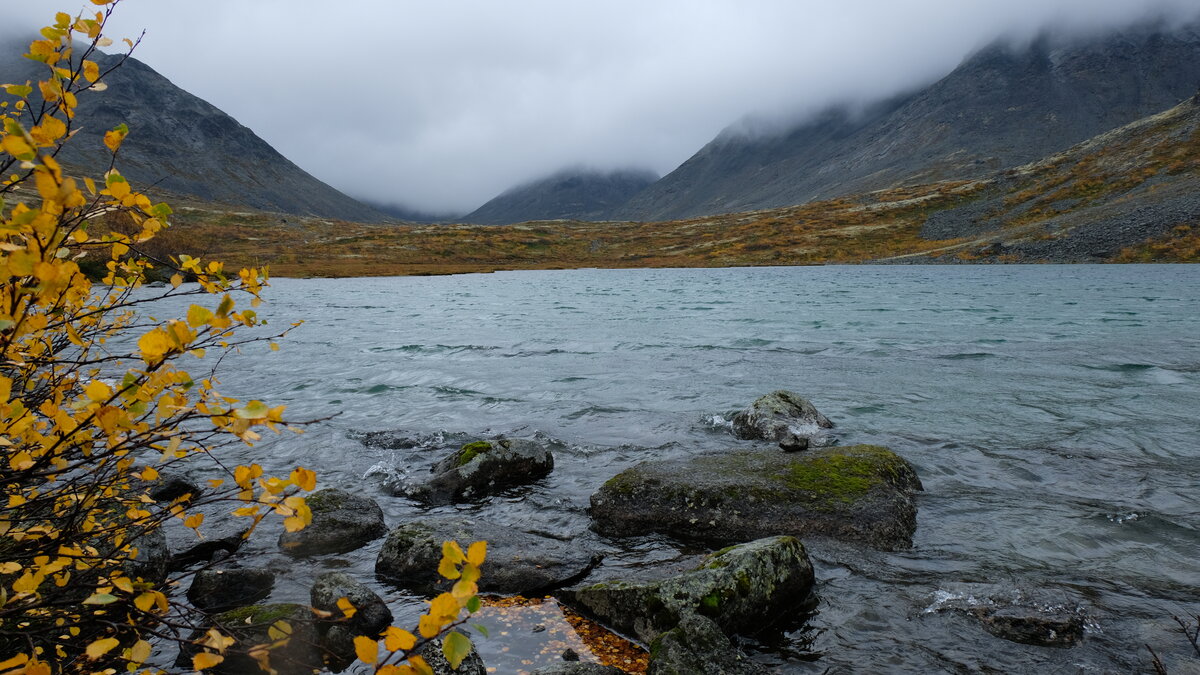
[[857, 493], [782, 417], [482, 468], [742, 589], [341, 522], [517, 561], [338, 634]]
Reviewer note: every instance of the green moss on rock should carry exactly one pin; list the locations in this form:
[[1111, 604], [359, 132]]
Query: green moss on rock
[[472, 450], [258, 614]]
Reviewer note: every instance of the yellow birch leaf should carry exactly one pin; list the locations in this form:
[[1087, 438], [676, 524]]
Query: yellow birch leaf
[[398, 639], [476, 553], [204, 660], [453, 552], [420, 666], [101, 647], [149, 473], [97, 391], [193, 521], [91, 71], [448, 569], [347, 607], [139, 652], [366, 649], [90, 184], [455, 647]]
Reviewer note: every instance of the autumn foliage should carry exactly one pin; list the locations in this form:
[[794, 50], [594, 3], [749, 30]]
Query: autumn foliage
[[98, 399]]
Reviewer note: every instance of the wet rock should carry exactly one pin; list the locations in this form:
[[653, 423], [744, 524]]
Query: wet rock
[[857, 493], [153, 559], [783, 417], [741, 589], [1033, 626], [432, 653], [517, 561], [371, 618], [483, 468], [222, 589], [223, 534], [170, 487], [578, 668], [249, 626], [696, 646], [341, 522]]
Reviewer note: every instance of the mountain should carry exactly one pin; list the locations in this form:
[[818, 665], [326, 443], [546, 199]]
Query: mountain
[[1002, 107], [411, 215], [575, 194], [182, 144]]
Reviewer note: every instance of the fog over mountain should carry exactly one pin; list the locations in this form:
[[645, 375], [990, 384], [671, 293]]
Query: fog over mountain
[[442, 106]]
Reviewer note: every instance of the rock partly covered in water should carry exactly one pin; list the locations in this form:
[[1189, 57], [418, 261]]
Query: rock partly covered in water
[[370, 618], [226, 588], [517, 561], [782, 417], [483, 468], [858, 493], [1033, 626], [578, 668], [341, 522], [250, 626], [687, 617], [436, 659]]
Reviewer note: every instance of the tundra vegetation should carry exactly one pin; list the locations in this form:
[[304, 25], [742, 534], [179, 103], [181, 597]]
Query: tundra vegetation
[[98, 400]]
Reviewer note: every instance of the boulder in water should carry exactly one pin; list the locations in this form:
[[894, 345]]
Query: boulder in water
[[1033, 626], [517, 561], [215, 590], [341, 522], [782, 417], [856, 493], [483, 468], [370, 618]]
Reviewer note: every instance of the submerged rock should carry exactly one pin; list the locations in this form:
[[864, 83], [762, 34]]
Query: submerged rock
[[341, 522], [250, 626], [371, 617], [227, 588], [783, 417], [433, 655], [687, 618], [1032, 626], [483, 468], [857, 493], [517, 561]]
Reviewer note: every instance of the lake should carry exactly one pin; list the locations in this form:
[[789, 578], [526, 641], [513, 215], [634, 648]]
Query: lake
[[1051, 412]]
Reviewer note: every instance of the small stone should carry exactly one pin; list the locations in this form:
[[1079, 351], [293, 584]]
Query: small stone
[[570, 655], [539, 628]]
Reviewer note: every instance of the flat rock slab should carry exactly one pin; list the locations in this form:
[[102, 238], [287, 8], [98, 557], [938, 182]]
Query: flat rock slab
[[859, 493], [517, 561]]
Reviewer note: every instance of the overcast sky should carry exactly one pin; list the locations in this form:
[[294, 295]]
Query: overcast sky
[[442, 105]]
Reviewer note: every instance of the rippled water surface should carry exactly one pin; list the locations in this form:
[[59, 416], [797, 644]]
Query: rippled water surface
[[1051, 412]]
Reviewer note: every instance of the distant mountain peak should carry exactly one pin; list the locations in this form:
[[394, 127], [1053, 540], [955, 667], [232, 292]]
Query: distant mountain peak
[[577, 193]]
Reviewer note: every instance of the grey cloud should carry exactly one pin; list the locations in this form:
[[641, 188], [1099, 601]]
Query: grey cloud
[[441, 106]]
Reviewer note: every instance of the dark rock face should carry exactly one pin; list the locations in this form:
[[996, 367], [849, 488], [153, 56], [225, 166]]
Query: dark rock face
[[371, 618], [222, 589], [856, 493], [575, 194], [1046, 628], [433, 655], [341, 522], [686, 618], [483, 468], [180, 143], [153, 560], [1001, 107], [783, 417], [170, 487], [517, 562]]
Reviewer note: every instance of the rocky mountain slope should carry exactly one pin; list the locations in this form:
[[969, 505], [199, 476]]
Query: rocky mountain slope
[[1002, 107], [577, 194], [182, 144]]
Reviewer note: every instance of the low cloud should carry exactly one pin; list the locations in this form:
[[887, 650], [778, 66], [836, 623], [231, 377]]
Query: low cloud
[[441, 106]]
